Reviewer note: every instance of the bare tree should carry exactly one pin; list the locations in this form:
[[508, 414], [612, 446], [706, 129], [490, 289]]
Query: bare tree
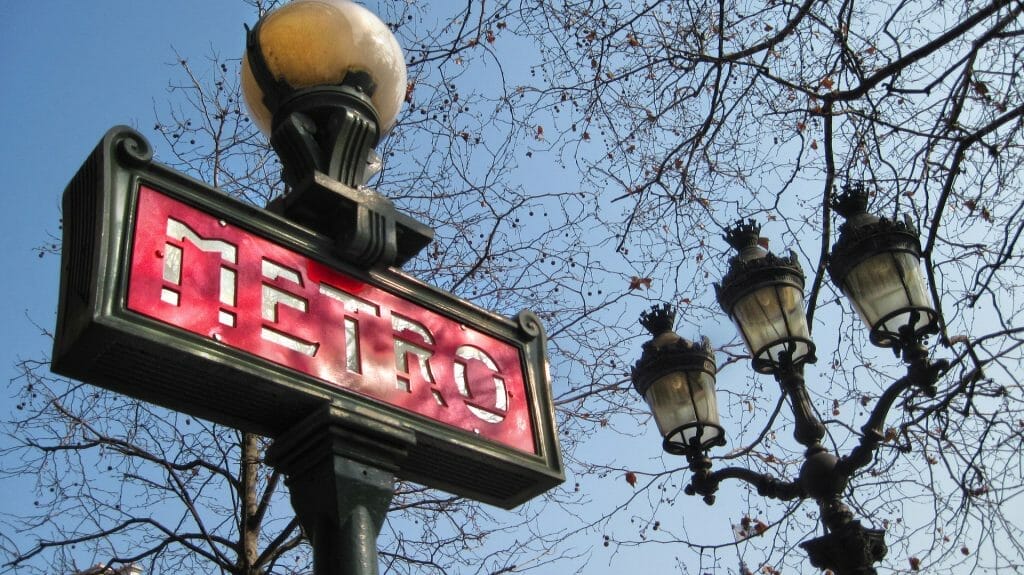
[[685, 116], [670, 120]]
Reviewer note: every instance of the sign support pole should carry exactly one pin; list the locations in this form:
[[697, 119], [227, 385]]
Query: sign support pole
[[340, 473]]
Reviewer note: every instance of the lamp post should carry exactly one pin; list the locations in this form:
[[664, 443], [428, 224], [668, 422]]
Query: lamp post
[[875, 263], [324, 80]]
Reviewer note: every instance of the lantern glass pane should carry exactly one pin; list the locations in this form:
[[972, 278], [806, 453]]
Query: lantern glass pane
[[885, 289], [772, 320], [682, 400]]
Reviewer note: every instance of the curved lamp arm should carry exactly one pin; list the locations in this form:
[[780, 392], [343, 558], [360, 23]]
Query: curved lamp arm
[[705, 482], [920, 374]]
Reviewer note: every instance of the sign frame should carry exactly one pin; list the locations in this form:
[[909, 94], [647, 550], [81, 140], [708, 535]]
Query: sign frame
[[100, 341]]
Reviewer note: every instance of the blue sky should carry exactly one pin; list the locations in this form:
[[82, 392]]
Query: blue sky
[[72, 70]]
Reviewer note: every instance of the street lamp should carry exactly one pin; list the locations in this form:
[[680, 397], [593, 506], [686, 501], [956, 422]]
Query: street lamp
[[763, 295], [324, 80], [875, 263], [677, 378]]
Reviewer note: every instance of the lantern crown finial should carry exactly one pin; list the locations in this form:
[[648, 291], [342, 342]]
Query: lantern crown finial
[[659, 319], [852, 200], [744, 234]]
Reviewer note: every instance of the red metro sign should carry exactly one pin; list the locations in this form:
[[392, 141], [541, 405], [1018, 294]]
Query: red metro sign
[[178, 295], [196, 272]]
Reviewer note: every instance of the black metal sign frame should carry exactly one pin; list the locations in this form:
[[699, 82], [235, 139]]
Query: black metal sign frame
[[100, 341]]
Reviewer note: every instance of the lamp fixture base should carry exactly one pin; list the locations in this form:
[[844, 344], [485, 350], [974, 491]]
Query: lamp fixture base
[[852, 549], [367, 229], [332, 129]]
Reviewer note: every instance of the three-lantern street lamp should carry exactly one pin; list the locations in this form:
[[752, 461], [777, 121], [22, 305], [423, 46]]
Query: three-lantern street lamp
[[875, 263]]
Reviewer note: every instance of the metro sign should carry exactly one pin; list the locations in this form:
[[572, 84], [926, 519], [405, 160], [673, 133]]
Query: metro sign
[[176, 294], [194, 271]]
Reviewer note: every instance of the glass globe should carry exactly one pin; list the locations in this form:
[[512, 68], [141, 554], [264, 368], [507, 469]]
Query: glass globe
[[308, 43]]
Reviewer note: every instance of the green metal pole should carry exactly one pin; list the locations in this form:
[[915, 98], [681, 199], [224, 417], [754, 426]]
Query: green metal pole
[[341, 478], [341, 504]]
